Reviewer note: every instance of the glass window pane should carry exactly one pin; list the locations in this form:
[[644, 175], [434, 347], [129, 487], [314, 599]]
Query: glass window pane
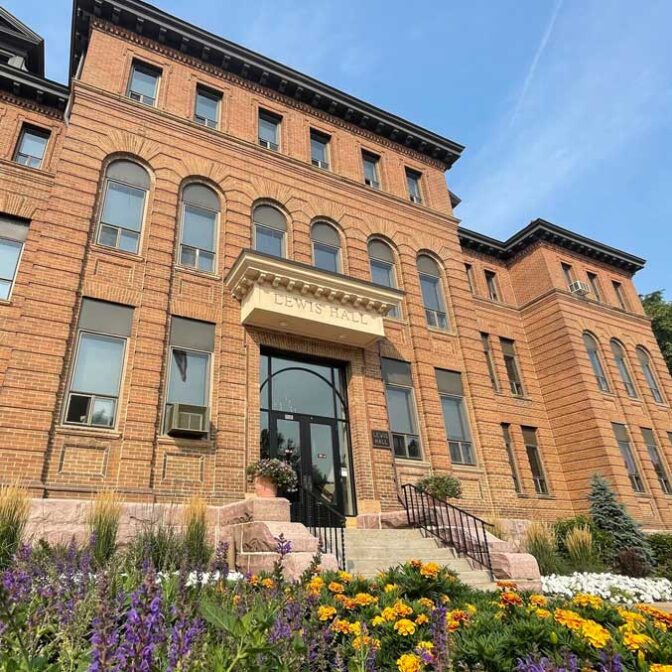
[[9, 258], [108, 236], [298, 390], [381, 273], [123, 206], [99, 364], [188, 378], [326, 257], [144, 82], [78, 409], [5, 287], [207, 106], [103, 412], [198, 229], [413, 447], [318, 149], [431, 293], [268, 130], [206, 261], [33, 144], [322, 461], [400, 411], [453, 417], [128, 241], [263, 381], [188, 257], [269, 240], [264, 436]]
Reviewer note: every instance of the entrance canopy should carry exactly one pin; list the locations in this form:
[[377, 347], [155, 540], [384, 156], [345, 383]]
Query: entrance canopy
[[299, 299]]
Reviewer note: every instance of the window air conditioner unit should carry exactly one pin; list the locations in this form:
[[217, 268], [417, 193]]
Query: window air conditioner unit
[[187, 420], [579, 288]]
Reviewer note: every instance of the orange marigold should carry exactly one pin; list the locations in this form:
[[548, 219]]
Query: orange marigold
[[365, 599], [421, 619], [335, 587], [430, 570], [404, 627], [326, 612]]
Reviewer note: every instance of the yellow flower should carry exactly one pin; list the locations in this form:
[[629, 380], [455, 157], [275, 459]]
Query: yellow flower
[[341, 625], [542, 613], [426, 603], [538, 600], [404, 627], [390, 587], [421, 619], [632, 619], [657, 667], [512, 585], [335, 587], [409, 662], [445, 599], [425, 645], [595, 634], [366, 641], [570, 619], [402, 609], [237, 599], [416, 564], [430, 570], [326, 612], [587, 600], [268, 583], [355, 628], [364, 599], [636, 641], [254, 580], [315, 585], [510, 599], [377, 620], [389, 614], [470, 609], [346, 577]]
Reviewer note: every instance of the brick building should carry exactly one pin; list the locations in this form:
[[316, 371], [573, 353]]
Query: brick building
[[205, 256]]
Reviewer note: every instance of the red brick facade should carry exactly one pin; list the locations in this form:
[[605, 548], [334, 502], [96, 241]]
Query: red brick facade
[[62, 263]]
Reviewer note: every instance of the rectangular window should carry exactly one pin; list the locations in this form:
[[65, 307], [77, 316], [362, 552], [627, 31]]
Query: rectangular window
[[508, 445], [31, 147], [93, 395], [489, 360], [469, 270], [207, 107], [511, 364], [413, 183], [319, 149], [623, 441], [658, 465], [534, 458], [401, 408], [493, 287], [435, 310], [188, 399], [370, 165], [269, 130], [455, 419], [13, 234], [199, 233], [143, 84], [569, 273], [594, 282], [620, 294]]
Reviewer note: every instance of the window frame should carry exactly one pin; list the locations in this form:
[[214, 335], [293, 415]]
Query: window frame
[[413, 415], [628, 456], [655, 455], [486, 345], [594, 282], [650, 377], [469, 270], [36, 131], [466, 454], [325, 139], [255, 225], [12, 281], [515, 383], [509, 446], [374, 160], [181, 244], [568, 271], [395, 312], [595, 359], [435, 319], [414, 177], [494, 292], [70, 392], [272, 118], [143, 217], [620, 295], [623, 368], [541, 485], [149, 69], [207, 92]]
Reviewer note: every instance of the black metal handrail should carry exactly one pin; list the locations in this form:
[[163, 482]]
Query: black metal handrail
[[449, 524], [322, 520]]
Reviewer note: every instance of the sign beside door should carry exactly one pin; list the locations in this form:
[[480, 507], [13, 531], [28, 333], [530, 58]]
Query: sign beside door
[[380, 438]]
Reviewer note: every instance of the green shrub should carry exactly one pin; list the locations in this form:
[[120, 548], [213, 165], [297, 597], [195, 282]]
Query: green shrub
[[104, 526], [441, 487], [661, 547], [196, 549], [540, 542], [610, 516], [14, 510]]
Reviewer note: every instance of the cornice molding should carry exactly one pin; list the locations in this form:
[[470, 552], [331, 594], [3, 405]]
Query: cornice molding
[[46, 96]]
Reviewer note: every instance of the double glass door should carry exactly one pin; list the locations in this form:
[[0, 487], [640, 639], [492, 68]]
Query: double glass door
[[304, 421]]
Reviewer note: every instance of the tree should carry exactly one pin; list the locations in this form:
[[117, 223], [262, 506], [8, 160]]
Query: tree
[[660, 312], [610, 516]]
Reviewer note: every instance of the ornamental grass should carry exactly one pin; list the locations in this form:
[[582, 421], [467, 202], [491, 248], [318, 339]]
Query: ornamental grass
[[58, 613], [14, 510], [104, 526]]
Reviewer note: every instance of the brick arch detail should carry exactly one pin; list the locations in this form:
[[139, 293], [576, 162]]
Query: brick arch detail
[[123, 142], [16, 205], [263, 189]]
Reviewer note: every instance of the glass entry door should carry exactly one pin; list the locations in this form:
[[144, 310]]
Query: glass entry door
[[304, 421]]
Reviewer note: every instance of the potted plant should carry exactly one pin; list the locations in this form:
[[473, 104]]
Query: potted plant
[[271, 475], [441, 487]]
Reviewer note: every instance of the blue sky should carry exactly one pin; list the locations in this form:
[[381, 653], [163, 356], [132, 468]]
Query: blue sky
[[565, 106]]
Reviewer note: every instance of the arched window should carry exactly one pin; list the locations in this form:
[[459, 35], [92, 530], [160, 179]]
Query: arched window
[[123, 210], [270, 229], [326, 247], [381, 262], [432, 295], [198, 235], [649, 375], [594, 356], [622, 366]]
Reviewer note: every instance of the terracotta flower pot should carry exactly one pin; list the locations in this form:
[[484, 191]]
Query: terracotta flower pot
[[264, 487]]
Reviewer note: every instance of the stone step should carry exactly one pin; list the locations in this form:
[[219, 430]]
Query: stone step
[[456, 565]]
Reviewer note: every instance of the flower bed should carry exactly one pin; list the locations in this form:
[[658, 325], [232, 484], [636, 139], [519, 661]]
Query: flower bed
[[57, 613], [613, 587]]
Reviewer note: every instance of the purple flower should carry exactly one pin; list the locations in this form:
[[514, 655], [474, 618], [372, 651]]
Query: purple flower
[[440, 639], [283, 546]]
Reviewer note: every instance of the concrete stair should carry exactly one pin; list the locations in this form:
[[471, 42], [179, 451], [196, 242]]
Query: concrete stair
[[368, 551]]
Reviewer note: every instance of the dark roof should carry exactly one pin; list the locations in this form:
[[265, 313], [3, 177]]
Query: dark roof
[[541, 230], [25, 84], [18, 38], [146, 20]]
